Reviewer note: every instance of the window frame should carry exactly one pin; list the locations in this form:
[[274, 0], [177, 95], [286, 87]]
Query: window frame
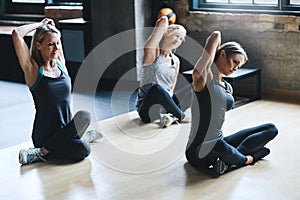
[[34, 8], [65, 2], [282, 8]]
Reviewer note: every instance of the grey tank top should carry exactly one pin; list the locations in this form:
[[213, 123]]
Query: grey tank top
[[156, 73], [208, 113], [52, 103]]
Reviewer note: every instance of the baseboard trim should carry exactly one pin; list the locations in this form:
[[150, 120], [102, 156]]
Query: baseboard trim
[[281, 94]]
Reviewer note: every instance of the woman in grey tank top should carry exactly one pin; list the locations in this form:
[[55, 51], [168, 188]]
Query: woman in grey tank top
[[207, 148], [159, 75]]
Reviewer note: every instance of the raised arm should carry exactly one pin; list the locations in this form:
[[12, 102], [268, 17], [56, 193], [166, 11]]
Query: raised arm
[[151, 48], [27, 63], [202, 73]]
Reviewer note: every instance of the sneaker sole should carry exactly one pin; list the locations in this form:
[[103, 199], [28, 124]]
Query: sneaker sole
[[22, 158], [220, 167]]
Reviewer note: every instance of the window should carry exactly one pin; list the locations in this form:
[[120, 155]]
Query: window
[[48, 2], [243, 6], [34, 7], [65, 2], [28, 1]]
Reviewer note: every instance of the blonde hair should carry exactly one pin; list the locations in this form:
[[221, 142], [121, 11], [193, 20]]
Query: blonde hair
[[39, 36], [231, 48], [175, 29]]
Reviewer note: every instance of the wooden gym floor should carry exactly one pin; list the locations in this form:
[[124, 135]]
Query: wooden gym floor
[[111, 174]]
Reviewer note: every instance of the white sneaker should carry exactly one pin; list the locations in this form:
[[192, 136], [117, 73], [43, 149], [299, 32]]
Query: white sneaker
[[187, 118], [31, 155], [91, 136], [167, 119]]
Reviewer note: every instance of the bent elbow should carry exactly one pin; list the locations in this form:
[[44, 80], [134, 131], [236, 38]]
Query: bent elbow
[[216, 35], [15, 34]]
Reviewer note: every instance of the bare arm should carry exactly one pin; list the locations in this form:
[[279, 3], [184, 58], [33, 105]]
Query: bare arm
[[202, 73], [151, 48], [28, 65]]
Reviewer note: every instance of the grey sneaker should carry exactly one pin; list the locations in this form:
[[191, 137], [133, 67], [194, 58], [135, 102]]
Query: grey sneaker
[[31, 155], [167, 119], [220, 167], [91, 136]]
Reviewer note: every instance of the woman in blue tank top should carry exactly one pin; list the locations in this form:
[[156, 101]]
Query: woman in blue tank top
[[159, 75], [207, 148], [56, 135]]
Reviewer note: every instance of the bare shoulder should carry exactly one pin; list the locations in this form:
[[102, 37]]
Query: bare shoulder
[[150, 55], [63, 65]]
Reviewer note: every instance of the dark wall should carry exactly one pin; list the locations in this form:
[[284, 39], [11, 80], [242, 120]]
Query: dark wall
[[10, 68], [109, 18]]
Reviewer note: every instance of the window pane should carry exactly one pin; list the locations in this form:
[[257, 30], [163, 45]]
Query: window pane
[[297, 2], [217, 1], [28, 1], [247, 1], [266, 1], [241, 1], [67, 1]]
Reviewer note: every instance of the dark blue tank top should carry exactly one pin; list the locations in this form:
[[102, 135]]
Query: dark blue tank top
[[52, 103]]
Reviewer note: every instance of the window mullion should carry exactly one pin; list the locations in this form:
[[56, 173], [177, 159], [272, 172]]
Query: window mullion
[[280, 4]]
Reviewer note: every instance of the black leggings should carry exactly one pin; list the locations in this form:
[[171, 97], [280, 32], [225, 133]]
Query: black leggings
[[158, 98], [234, 148], [66, 144]]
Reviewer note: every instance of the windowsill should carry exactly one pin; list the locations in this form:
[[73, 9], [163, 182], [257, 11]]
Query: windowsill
[[63, 12], [64, 7], [7, 30], [20, 19]]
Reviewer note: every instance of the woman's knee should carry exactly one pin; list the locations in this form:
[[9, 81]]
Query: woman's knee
[[82, 120], [83, 115], [272, 129]]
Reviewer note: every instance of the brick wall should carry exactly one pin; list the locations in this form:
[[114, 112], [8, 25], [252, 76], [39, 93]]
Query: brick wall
[[272, 42], [63, 12]]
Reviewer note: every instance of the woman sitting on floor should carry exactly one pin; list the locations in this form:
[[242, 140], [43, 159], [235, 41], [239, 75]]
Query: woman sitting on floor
[[159, 75], [55, 135], [207, 147]]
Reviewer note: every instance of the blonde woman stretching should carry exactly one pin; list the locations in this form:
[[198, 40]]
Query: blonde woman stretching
[[159, 75]]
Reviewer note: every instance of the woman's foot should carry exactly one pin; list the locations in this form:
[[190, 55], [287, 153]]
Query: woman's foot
[[260, 154], [31, 155], [167, 119], [220, 167], [91, 136], [187, 116]]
